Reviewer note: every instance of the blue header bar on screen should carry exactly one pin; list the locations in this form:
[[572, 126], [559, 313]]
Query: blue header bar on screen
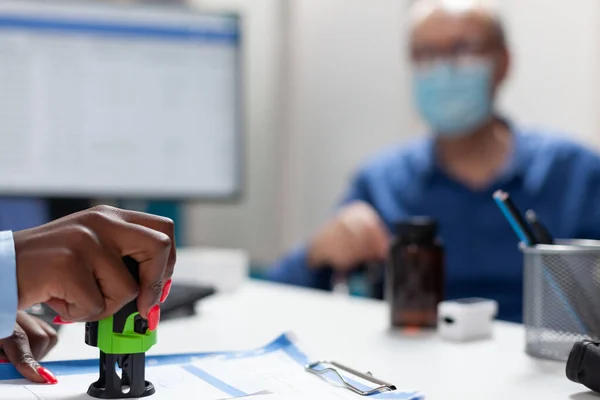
[[228, 33]]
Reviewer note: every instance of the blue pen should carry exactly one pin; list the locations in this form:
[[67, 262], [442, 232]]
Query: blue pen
[[514, 218]]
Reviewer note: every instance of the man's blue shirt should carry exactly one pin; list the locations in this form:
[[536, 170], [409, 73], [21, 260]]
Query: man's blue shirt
[[557, 178]]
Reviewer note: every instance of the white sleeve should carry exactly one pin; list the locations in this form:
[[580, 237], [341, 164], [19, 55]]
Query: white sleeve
[[8, 284]]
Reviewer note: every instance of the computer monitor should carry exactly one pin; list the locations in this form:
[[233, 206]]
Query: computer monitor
[[111, 100]]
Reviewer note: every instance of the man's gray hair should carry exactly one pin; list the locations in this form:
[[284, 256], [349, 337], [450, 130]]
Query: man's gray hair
[[420, 9]]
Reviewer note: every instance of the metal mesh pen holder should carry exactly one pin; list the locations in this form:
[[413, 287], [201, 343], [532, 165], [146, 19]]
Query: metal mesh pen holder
[[561, 303]]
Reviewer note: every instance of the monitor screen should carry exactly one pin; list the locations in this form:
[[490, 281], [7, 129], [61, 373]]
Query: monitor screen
[[121, 100]]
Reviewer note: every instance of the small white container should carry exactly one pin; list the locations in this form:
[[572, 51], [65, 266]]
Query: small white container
[[466, 319]]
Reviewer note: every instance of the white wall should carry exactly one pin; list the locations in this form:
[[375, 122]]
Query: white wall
[[253, 224], [555, 78], [348, 98]]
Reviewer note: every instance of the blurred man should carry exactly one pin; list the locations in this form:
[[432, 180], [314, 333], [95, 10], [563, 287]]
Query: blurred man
[[460, 59]]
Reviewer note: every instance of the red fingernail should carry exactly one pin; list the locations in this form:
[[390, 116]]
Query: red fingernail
[[165, 291], [153, 317], [58, 320], [3, 361], [47, 375]]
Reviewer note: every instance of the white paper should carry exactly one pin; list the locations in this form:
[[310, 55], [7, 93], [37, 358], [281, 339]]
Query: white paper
[[171, 382], [275, 371], [283, 376], [263, 374]]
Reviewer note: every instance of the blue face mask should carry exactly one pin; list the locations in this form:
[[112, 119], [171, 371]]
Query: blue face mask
[[454, 100]]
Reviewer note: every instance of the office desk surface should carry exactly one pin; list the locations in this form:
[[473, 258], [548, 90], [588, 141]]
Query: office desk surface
[[355, 332]]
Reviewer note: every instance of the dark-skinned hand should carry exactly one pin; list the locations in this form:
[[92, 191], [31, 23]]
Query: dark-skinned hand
[[74, 264], [31, 340]]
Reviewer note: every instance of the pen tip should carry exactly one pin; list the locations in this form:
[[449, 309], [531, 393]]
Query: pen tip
[[499, 194], [530, 215]]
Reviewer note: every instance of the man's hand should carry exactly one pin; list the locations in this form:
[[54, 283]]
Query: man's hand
[[356, 235], [31, 340], [74, 264]]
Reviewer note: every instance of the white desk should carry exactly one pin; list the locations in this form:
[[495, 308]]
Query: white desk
[[355, 332]]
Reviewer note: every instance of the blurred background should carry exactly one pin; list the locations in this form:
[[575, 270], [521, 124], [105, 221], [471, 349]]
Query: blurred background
[[266, 106]]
